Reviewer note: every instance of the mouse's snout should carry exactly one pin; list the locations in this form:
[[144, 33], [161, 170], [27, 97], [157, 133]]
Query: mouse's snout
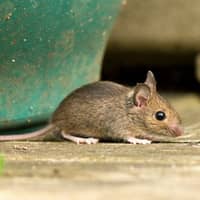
[[176, 130]]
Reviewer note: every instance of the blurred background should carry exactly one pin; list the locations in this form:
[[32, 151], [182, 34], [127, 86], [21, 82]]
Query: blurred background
[[163, 36], [48, 50]]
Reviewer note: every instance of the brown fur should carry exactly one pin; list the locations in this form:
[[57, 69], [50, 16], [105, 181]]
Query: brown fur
[[107, 110]]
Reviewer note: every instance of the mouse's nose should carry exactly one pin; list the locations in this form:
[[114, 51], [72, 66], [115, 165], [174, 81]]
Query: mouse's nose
[[176, 130]]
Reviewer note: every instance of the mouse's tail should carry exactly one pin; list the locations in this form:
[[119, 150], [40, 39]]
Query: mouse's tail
[[29, 135]]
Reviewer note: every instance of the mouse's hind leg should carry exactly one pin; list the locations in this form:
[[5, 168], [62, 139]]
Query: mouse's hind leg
[[79, 140]]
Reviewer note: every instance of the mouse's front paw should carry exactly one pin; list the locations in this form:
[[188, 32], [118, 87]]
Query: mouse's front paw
[[133, 140]]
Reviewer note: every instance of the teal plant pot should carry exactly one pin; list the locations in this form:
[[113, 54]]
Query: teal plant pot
[[48, 48]]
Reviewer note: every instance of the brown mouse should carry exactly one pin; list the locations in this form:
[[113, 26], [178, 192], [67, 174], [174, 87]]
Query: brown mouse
[[109, 111]]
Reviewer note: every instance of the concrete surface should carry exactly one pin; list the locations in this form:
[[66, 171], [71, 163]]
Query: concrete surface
[[62, 170]]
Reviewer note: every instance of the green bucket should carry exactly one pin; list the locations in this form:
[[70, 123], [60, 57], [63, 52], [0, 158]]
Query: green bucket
[[48, 48]]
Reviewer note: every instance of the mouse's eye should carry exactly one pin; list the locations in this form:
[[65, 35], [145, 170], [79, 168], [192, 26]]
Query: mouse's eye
[[160, 115]]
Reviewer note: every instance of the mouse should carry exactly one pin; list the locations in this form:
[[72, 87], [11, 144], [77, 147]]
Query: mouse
[[108, 111]]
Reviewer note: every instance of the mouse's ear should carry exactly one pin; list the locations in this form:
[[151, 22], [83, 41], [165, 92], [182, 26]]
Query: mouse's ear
[[151, 81], [141, 95]]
